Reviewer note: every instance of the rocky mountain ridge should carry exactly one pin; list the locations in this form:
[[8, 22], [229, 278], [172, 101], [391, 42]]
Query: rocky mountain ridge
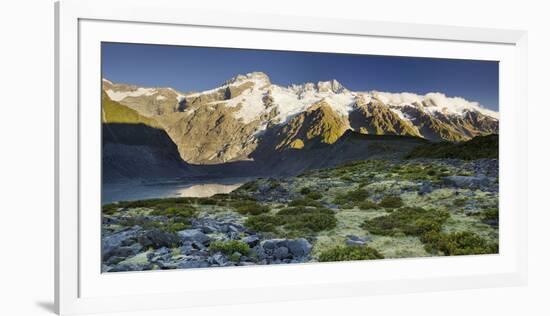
[[247, 113]]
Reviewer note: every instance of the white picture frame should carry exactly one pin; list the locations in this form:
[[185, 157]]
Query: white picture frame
[[81, 288]]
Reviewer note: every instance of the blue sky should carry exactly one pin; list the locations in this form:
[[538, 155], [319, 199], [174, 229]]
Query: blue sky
[[200, 68]]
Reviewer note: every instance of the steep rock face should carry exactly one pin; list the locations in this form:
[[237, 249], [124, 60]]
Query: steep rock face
[[148, 102], [211, 135], [377, 119], [430, 127], [134, 146], [207, 127], [472, 124], [318, 124]]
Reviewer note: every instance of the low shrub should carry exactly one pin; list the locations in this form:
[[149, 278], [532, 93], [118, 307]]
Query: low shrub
[[207, 201], [314, 195], [171, 225], [264, 223], [407, 220], [221, 196], [305, 202], [250, 208], [229, 247], [367, 204], [110, 209], [296, 221], [249, 187], [416, 171], [293, 211], [391, 201], [457, 243], [151, 203], [307, 219], [459, 202], [312, 222], [363, 183], [305, 191], [182, 211], [490, 216], [174, 226], [351, 198], [349, 253], [357, 195]]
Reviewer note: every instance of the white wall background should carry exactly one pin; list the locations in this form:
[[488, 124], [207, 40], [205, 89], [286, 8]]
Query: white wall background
[[26, 168]]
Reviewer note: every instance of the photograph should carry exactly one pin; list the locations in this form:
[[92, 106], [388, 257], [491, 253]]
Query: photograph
[[228, 157]]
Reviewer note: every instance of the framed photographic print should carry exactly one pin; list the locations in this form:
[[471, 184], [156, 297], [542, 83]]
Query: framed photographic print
[[260, 158]]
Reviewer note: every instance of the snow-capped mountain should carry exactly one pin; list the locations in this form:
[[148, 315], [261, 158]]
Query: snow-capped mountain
[[247, 112]]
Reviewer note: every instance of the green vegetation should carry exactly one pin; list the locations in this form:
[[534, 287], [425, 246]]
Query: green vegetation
[[114, 112], [183, 211], [151, 203], [314, 196], [171, 225], [427, 225], [391, 201], [459, 202], [413, 221], [490, 216], [249, 187], [177, 213], [307, 219], [229, 247], [358, 195], [207, 201], [376, 198], [457, 243], [264, 223], [174, 226], [295, 221], [309, 194], [351, 198], [367, 204], [178, 218], [416, 171], [476, 148], [349, 253], [250, 208], [305, 202]]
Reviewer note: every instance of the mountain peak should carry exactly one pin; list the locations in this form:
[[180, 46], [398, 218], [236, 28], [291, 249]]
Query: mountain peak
[[321, 86], [257, 77], [331, 85], [433, 102]]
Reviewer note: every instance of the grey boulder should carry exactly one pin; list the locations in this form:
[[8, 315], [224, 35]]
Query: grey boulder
[[194, 235], [251, 240], [299, 247], [110, 243], [356, 241], [157, 238], [467, 181]]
